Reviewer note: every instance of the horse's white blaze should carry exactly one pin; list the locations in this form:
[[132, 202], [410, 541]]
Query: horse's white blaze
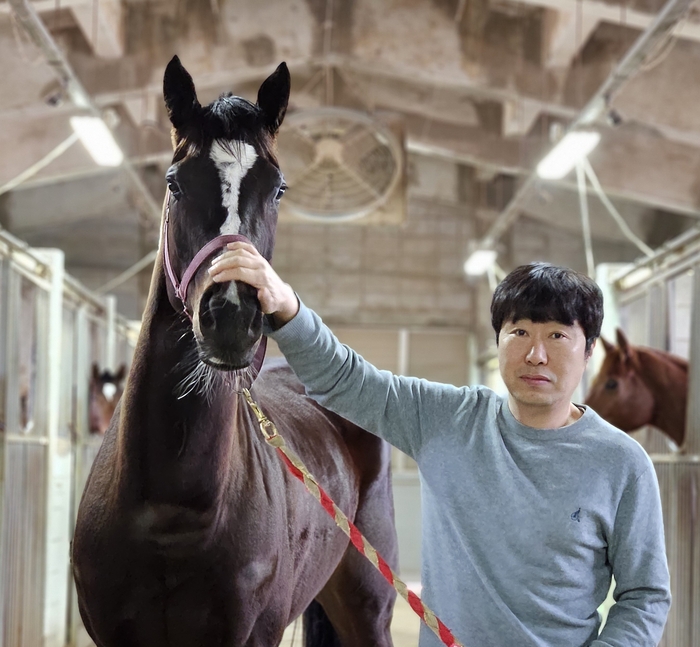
[[109, 390], [232, 168]]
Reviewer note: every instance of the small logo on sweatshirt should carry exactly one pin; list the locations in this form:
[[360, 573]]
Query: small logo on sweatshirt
[[576, 516]]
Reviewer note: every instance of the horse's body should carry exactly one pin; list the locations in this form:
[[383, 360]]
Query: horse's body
[[191, 532], [104, 392], [638, 386]]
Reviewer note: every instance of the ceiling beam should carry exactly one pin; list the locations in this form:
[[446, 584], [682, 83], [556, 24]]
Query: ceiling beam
[[102, 24], [35, 28], [619, 14], [673, 12]]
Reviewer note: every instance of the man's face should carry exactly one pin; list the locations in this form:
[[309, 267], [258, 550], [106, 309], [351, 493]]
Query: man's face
[[541, 363]]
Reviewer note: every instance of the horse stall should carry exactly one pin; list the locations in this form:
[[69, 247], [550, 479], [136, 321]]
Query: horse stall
[[51, 332], [657, 303]]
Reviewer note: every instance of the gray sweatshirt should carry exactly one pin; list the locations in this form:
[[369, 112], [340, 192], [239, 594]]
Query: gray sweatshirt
[[522, 528]]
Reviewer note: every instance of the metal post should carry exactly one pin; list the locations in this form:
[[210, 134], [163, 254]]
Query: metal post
[[111, 341], [4, 372], [58, 466], [692, 434]]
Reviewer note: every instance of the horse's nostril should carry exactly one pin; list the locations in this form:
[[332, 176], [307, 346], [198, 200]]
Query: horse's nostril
[[206, 318], [212, 311]]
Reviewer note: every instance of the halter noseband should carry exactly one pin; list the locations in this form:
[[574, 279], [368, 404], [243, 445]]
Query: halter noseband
[[212, 246], [181, 286]]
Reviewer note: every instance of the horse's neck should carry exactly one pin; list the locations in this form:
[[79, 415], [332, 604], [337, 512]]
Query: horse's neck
[[667, 378], [170, 449]]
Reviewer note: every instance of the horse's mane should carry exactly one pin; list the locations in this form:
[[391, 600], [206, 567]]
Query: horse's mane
[[664, 356]]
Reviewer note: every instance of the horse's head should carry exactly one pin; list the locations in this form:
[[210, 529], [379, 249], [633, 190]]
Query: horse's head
[[224, 181], [618, 393], [105, 390]]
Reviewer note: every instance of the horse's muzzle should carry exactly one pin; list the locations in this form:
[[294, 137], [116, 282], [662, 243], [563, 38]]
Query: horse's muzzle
[[228, 331]]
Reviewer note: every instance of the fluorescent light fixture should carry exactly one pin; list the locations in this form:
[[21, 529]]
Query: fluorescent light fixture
[[479, 261], [98, 140], [570, 150]]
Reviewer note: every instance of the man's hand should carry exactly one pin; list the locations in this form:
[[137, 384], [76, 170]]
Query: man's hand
[[242, 262]]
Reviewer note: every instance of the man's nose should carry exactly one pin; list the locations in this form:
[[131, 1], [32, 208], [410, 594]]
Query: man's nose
[[537, 353]]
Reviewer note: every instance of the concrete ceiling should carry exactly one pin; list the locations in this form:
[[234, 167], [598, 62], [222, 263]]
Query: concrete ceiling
[[477, 85]]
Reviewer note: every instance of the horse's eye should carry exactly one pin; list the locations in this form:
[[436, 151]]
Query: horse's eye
[[280, 192], [174, 188], [611, 384]]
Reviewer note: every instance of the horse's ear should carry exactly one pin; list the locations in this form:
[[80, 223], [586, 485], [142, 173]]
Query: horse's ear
[[273, 97], [625, 346], [95, 372], [120, 374], [179, 93], [607, 346]]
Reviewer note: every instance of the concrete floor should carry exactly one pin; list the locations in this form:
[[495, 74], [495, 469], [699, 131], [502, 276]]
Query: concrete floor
[[404, 628]]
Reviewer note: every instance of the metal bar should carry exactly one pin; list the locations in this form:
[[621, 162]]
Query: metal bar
[[26, 439], [4, 372], [692, 425]]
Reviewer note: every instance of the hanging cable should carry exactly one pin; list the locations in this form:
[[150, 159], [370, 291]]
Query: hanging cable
[[127, 274], [614, 213], [44, 161], [585, 220], [327, 49]]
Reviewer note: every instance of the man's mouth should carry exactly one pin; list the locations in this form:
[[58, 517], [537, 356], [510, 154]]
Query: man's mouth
[[535, 379]]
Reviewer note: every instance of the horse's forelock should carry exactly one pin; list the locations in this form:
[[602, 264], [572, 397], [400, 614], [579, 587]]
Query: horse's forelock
[[234, 119]]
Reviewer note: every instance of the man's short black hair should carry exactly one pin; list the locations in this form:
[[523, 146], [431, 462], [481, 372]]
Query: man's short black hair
[[542, 292]]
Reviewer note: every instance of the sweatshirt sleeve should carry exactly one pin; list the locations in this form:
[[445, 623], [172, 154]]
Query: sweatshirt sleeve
[[402, 410], [638, 557]]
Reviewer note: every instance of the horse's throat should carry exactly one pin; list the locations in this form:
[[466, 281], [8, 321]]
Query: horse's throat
[[173, 444]]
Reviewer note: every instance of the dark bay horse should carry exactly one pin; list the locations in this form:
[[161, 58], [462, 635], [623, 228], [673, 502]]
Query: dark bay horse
[[638, 386], [191, 532], [103, 395]]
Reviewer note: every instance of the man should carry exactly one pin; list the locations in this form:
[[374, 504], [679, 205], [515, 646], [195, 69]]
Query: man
[[530, 503]]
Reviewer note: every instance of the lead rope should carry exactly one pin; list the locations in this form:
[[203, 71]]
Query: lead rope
[[298, 469]]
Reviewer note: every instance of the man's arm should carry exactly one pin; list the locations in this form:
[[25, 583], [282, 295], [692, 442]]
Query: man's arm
[[638, 557]]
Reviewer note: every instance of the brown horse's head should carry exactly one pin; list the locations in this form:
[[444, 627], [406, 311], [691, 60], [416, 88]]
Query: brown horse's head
[[105, 390], [224, 180], [618, 393]]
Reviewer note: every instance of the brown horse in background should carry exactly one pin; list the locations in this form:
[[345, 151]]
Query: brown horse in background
[[103, 395], [191, 532], [638, 386]]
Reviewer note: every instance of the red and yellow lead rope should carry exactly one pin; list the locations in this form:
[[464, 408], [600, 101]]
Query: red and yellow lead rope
[[298, 469]]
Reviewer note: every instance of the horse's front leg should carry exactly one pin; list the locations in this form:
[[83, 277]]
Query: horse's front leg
[[268, 631]]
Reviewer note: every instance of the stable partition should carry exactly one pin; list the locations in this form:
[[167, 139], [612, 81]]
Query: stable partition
[[658, 305], [51, 330]]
